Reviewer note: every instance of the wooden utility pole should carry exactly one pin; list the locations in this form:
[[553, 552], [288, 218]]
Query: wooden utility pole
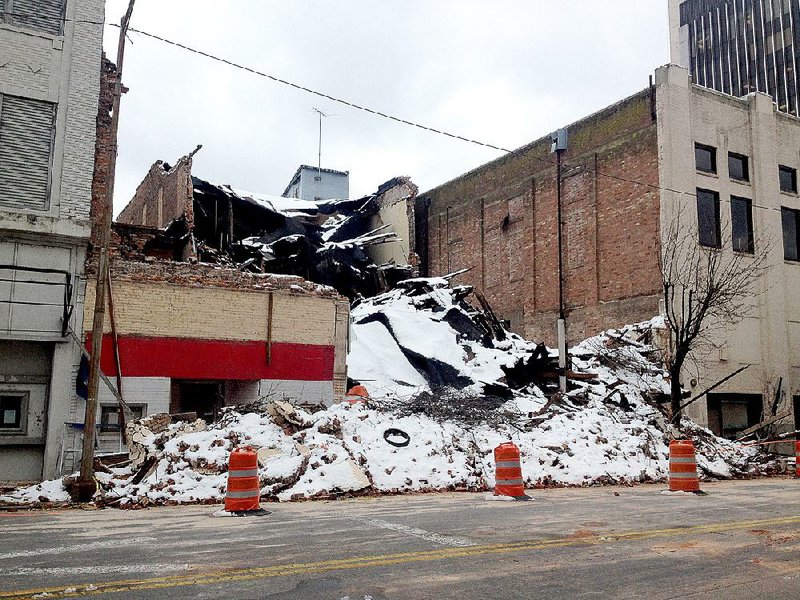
[[86, 484]]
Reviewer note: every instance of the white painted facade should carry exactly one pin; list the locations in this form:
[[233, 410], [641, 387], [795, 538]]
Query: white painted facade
[[768, 338], [312, 183], [43, 245]]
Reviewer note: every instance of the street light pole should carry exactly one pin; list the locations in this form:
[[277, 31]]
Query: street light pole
[[559, 139]]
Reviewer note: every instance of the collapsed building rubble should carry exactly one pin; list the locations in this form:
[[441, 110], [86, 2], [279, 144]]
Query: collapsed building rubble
[[330, 242], [432, 427]]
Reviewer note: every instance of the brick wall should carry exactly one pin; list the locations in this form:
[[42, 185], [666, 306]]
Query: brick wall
[[172, 299], [164, 194], [500, 222], [100, 207]]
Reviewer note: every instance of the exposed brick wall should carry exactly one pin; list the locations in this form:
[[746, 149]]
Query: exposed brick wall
[[500, 221], [100, 208], [165, 194], [164, 308]]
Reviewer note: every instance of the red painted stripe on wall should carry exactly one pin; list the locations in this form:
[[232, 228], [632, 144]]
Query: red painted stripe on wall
[[181, 358]]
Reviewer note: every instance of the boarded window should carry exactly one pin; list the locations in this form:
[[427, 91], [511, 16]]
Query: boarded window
[[708, 218], [791, 224], [742, 224], [41, 15], [26, 145]]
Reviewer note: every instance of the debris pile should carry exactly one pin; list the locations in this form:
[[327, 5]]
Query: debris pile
[[425, 335], [447, 385], [324, 241]]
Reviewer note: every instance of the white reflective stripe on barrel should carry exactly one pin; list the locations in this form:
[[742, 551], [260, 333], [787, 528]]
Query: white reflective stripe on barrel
[[683, 459], [508, 482], [683, 475], [507, 464], [244, 473], [250, 494]]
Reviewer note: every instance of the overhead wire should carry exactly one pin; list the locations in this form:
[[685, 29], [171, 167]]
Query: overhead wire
[[519, 152]]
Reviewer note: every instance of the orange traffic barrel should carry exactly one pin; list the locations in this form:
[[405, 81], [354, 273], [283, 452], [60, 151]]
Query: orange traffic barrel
[[243, 484], [508, 472], [357, 393], [683, 467], [797, 458]]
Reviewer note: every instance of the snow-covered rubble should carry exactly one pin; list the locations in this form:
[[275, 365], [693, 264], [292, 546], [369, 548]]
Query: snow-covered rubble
[[441, 372]]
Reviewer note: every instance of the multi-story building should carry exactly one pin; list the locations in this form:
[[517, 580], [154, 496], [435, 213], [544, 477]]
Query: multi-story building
[[740, 46], [49, 82], [727, 166]]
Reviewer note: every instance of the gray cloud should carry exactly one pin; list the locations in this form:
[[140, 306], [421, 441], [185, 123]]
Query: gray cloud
[[505, 72]]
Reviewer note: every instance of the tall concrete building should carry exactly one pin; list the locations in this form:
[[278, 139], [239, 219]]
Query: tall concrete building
[[725, 168], [50, 54], [740, 46]]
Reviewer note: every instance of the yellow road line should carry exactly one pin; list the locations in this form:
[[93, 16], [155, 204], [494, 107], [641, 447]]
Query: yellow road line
[[379, 560]]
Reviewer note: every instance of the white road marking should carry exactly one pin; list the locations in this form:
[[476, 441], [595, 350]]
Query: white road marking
[[78, 547], [57, 571], [430, 536]]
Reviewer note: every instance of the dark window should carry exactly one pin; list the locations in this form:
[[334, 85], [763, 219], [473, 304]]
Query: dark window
[[11, 413], [742, 224], [738, 167], [788, 179], [791, 225], [705, 158], [708, 218], [109, 416]]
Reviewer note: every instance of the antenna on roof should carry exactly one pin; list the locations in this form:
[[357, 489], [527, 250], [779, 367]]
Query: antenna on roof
[[319, 155]]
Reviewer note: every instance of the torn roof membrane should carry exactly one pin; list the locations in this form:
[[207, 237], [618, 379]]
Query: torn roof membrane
[[324, 241]]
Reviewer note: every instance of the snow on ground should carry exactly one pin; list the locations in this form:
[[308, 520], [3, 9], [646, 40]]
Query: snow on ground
[[607, 430]]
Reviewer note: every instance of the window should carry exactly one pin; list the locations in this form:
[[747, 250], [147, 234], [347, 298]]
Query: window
[[109, 416], [26, 144], [13, 410], [40, 15], [738, 167], [742, 224], [708, 218], [791, 225], [705, 158], [788, 179]]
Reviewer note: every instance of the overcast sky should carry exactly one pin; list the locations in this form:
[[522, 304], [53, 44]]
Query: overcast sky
[[501, 71]]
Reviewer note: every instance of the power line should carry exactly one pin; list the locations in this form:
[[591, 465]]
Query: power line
[[407, 122], [519, 152], [315, 92]]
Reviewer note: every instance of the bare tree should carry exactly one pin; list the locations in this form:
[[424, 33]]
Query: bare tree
[[705, 289]]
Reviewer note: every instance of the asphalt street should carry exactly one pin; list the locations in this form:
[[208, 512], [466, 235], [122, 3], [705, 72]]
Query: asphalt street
[[741, 541]]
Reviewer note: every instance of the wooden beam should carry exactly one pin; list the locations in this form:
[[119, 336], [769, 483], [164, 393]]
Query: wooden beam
[[747, 432]]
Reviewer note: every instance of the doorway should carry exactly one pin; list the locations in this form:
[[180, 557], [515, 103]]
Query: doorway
[[206, 398], [730, 414]]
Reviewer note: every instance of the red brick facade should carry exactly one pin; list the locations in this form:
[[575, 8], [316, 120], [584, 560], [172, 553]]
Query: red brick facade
[[500, 221], [165, 194]]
